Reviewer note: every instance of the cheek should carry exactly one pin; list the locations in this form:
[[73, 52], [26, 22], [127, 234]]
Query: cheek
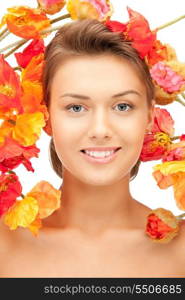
[[66, 134]]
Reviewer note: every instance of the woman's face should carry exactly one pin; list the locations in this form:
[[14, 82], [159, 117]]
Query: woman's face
[[86, 111]]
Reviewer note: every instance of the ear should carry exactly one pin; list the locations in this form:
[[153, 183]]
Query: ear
[[151, 115], [48, 128]]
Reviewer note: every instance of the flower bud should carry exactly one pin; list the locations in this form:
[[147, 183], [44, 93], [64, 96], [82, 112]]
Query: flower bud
[[162, 226]]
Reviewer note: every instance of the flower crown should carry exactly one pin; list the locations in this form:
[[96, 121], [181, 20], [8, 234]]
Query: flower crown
[[23, 112]]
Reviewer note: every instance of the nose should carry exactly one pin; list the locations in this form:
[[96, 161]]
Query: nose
[[100, 126]]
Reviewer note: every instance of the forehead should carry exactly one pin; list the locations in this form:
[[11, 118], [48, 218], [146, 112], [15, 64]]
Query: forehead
[[101, 73]]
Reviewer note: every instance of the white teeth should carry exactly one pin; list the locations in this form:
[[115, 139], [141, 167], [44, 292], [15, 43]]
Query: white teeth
[[99, 154]]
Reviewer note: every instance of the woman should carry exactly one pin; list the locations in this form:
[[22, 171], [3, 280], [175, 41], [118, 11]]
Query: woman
[[100, 99]]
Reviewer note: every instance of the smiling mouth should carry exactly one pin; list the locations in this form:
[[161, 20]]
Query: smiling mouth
[[100, 159], [103, 151]]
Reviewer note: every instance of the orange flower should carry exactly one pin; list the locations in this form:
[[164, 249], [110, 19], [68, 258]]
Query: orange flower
[[163, 181], [12, 155], [10, 189], [35, 226], [34, 48], [32, 96], [179, 189], [47, 196], [173, 171], [33, 71], [5, 130], [160, 52], [162, 226], [90, 9], [51, 7], [157, 53], [10, 88], [26, 22]]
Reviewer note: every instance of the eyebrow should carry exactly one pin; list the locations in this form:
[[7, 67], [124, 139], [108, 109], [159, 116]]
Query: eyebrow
[[88, 98]]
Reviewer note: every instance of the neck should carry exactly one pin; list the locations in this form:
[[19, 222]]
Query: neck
[[95, 209]]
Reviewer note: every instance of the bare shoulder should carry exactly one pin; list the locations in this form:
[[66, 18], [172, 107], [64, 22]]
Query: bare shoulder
[[181, 238], [180, 246], [5, 237]]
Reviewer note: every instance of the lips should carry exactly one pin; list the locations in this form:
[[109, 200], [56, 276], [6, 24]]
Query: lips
[[101, 149], [100, 160]]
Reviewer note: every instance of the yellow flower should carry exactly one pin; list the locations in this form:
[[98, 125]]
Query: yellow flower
[[171, 167], [28, 128], [22, 213]]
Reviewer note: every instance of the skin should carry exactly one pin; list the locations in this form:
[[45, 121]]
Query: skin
[[99, 229]]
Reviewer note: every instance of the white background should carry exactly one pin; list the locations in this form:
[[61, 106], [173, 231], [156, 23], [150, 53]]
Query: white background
[[143, 187]]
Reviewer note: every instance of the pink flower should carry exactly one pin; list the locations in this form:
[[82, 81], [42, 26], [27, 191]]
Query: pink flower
[[51, 7], [176, 151], [93, 9], [175, 154], [166, 78], [162, 121]]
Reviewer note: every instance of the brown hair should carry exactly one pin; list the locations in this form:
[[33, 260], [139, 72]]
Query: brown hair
[[89, 37]]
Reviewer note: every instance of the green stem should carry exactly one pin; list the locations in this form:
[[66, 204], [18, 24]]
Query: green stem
[[170, 23], [183, 96], [11, 45], [51, 29], [17, 47], [60, 18], [17, 69], [175, 138], [179, 100], [3, 32], [22, 195], [5, 35], [11, 172], [181, 216]]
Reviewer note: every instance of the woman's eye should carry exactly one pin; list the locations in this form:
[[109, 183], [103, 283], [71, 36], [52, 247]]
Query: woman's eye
[[74, 106], [124, 105]]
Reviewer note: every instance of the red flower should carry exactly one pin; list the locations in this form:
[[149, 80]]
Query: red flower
[[34, 48], [151, 149], [10, 87], [10, 189], [115, 26], [182, 138], [162, 226], [138, 31], [12, 155]]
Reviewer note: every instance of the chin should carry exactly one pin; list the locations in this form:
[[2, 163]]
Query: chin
[[101, 180]]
